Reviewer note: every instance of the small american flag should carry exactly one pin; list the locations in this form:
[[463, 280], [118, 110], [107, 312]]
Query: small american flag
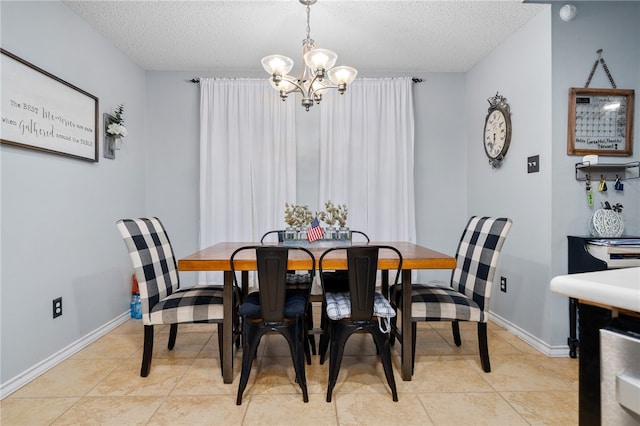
[[315, 231]]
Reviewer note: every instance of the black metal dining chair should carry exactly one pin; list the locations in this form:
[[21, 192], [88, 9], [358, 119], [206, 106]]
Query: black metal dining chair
[[267, 235], [297, 281], [360, 233], [361, 308], [335, 281], [273, 308]]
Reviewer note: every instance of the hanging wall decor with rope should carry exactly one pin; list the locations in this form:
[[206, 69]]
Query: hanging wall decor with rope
[[600, 120]]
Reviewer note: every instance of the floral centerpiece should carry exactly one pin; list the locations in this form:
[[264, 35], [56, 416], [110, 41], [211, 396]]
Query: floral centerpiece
[[333, 214], [297, 216], [116, 128]]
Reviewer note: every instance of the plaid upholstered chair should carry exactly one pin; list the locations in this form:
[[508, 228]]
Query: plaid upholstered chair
[[163, 302], [467, 297], [273, 308], [360, 308]]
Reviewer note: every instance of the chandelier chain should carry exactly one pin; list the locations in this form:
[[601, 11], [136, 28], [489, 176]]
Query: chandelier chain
[[308, 21]]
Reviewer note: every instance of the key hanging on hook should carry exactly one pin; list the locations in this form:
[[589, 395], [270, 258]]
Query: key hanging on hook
[[589, 194], [618, 186], [603, 184]]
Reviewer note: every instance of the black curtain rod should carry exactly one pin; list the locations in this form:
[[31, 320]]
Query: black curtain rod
[[414, 79]]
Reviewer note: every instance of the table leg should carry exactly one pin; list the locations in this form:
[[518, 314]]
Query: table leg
[[384, 287], [227, 328], [407, 336]]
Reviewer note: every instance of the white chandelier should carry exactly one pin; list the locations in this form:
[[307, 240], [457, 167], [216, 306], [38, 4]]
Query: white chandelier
[[319, 64]]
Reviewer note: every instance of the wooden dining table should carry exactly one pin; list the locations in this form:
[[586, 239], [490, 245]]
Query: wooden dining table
[[216, 258]]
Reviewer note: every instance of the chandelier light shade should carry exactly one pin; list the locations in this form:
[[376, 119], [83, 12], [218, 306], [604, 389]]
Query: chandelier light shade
[[342, 75], [318, 75], [320, 59], [277, 64]]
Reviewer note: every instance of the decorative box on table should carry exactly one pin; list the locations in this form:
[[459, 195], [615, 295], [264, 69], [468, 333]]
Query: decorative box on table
[[344, 239]]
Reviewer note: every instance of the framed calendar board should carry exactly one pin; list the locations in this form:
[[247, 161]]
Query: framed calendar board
[[600, 122]]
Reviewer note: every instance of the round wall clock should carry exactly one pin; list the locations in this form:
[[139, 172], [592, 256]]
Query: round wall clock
[[497, 130]]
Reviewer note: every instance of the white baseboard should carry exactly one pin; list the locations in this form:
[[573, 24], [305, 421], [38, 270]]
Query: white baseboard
[[28, 375], [551, 351]]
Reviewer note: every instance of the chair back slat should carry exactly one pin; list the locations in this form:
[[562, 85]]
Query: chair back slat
[[363, 266], [477, 257], [153, 259], [272, 275]]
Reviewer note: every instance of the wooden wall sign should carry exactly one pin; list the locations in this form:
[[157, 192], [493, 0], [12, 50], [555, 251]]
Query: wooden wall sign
[[43, 112]]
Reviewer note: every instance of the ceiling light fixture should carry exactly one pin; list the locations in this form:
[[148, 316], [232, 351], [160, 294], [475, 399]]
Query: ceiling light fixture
[[568, 12], [318, 74]]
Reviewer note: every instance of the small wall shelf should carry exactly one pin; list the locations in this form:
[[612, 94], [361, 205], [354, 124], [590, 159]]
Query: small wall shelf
[[608, 171]]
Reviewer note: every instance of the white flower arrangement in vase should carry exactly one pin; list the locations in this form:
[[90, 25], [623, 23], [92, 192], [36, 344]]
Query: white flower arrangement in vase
[[116, 129]]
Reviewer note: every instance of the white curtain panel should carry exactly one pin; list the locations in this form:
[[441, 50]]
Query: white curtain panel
[[367, 156], [247, 160]]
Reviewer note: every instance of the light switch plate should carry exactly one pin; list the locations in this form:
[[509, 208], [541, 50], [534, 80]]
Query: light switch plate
[[533, 164]]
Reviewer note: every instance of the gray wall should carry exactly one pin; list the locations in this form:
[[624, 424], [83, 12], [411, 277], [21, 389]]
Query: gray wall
[[534, 69], [440, 164], [520, 70], [58, 214], [615, 28], [173, 181], [58, 231]]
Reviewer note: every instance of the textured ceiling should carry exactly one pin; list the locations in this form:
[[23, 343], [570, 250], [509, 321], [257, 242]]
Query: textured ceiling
[[372, 36]]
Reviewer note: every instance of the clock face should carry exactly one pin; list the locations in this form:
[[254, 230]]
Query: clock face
[[495, 133], [497, 130]]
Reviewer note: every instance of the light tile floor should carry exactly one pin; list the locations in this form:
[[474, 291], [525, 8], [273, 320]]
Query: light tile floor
[[101, 384]]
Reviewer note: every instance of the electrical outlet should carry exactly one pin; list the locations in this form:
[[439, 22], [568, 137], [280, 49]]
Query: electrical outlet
[[503, 284], [57, 307]]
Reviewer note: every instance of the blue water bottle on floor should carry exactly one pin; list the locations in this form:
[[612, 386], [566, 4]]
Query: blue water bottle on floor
[[136, 305]]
